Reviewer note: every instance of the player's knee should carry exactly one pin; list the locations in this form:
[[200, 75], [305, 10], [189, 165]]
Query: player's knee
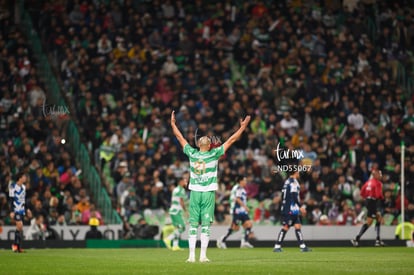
[[248, 224], [298, 226], [205, 229], [19, 226], [192, 231], [180, 228]]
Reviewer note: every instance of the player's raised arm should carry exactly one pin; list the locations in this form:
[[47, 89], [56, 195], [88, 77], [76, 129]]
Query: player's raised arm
[[176, 131], [233, 138]]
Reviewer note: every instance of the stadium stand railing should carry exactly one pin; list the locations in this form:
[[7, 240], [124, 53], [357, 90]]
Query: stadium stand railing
[[79, 151], [404, 80]]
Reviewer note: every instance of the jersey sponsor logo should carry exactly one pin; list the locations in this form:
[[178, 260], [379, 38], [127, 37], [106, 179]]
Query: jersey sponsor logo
[[294, 209]]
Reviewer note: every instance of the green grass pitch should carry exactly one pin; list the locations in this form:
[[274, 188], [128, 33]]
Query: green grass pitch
[[323, 260]]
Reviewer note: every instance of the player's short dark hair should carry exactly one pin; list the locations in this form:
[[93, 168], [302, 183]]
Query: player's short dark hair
[[18, 175], [240, 178]]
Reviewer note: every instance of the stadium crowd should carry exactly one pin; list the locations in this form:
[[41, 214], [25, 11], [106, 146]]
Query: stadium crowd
[[312, 74], [31, 141]]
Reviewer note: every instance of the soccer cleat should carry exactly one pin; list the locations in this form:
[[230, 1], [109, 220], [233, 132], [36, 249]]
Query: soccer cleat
[[167, 243], [221, 244], [305, 249], [177, 248], [277, 249], [355, 243], [246, 245], [15, 248], [379, 243], [190, 260], [204, 260]]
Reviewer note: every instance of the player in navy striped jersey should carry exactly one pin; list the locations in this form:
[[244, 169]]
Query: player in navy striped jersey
[[17, 195], [240, 213], [291, 212]]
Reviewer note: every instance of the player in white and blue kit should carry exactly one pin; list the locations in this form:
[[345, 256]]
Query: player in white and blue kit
[[291, 212], [240, 213], [233, 227], [17, 195]]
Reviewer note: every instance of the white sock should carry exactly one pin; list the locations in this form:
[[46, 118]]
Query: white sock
[[175, 243], [204, 244], [174, 235], [171, 236], [277, 245], [192, 241]]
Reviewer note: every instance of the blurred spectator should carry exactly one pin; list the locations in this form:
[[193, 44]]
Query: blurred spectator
[[158, 130], [261, 213], [83, 203], [93, 233], [274, 209], [408, 230], [122, 187], [355, 119], [91, 212], [323, 220], [143, 230], [154, 202], [178, 167], [37, 229], [76, 216], [38, 209], [4, 207], [61, 222], [289, 124], [132, 204], [347, 216], [120, 171]]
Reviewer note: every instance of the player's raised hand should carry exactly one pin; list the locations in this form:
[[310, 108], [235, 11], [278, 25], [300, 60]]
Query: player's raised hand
[[173, 117], [244, 122]]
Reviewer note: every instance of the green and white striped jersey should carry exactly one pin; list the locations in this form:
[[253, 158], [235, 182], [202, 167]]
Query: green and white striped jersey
[[177, 194], [203, 168]]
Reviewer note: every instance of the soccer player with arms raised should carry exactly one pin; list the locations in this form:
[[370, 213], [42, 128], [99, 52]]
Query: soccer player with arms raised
[[291, 212], [203, 184]]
